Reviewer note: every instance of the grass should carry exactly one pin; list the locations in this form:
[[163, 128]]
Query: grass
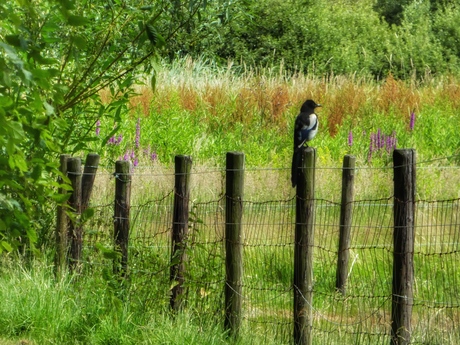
[[202, 110], [95, 308], [205, 111], [86, 311]]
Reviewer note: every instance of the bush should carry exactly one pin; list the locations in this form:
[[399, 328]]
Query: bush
[[340, 37]]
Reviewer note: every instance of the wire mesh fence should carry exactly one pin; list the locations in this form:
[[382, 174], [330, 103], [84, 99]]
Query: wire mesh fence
[[361, 316]]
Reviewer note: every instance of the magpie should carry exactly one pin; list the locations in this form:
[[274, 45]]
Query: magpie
[[305, 129]]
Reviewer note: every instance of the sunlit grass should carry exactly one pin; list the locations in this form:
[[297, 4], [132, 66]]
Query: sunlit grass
[[204, 111]]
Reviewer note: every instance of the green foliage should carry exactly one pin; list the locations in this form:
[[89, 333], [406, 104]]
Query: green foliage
[[391, 10], [86, 311], [66, 65], [325, 37], [447, 32], [56, 57]]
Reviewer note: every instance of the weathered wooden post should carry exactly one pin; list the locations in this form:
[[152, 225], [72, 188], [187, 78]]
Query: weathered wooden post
[[87, 182], [61, 224], [403, 236], [303, 248], [183, 165], [346, 207], [74, 227], [233, 241], [121, 218]]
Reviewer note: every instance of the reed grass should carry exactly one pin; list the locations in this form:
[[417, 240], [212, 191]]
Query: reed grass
[[204, 110]]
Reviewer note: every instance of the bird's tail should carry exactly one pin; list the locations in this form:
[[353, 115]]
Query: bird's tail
[[295, 166]]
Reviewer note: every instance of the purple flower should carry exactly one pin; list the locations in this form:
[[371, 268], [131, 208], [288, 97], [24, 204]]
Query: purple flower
[[154, 156], [115, 141], [98, 127], [136, 162], [138, 132], [412, 121], [389, 143], [371, 146], [380, 143], [350, 138], [126, 156]]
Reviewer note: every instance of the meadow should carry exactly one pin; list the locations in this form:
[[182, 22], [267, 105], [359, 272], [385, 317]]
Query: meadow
[[204, 111]]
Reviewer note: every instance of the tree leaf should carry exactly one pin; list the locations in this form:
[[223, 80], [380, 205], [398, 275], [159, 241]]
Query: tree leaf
[[79, 41], [154, 37], [6, 246], [87, 214], [77, 20]]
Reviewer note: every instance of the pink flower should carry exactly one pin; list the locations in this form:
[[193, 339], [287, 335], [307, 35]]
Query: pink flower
[[98, 127], [138, 132], [412, 121], [350, 138]]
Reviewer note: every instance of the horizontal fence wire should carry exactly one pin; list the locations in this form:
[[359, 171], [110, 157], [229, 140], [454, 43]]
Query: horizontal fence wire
[[361, 316]]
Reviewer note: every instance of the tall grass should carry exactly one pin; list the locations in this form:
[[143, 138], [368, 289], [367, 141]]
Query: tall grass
[[37, 309], [204, 110]]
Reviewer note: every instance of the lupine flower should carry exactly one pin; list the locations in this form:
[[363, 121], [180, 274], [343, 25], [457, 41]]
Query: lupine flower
[[138, 132], [154, 156], [126, 156], [350, 138], [98, 127], [412, 121], [136, 162]]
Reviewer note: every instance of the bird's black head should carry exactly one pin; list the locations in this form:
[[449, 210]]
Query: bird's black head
[[309, 105]]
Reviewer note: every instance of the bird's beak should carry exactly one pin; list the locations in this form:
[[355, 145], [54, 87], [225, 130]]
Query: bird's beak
[[318, 105]]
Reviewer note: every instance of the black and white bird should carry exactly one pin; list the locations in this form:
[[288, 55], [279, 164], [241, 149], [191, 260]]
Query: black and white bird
[[305, 129]]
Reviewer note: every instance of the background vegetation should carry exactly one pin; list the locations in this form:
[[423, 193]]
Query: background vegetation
[[145, 80], [367, 37], [59, 57]]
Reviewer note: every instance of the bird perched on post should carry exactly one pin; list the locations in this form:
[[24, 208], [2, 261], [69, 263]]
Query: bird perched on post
[[305, 129]]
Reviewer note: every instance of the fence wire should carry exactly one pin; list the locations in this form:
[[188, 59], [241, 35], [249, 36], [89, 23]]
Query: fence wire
[[360, 316]]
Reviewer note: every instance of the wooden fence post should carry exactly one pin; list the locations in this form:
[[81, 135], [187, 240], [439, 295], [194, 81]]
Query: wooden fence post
[[121, 219], [74, 229], [61, 224], [234, 241], [303, 248], [348, 180], [183, 166], [87, 182], [403, 236]]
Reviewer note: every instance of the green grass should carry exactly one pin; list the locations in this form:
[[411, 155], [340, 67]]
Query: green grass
[[86, 311], [204, 112]]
